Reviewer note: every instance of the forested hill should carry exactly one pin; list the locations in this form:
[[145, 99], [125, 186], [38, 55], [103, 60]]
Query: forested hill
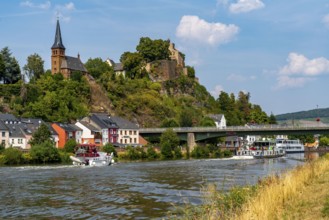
[[311, 114], [146, 97]]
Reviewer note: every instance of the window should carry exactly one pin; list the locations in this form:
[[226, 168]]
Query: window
[[111, 140], [20, 141], [121, 132], [13, 141], [135, 132], [135, 140], [125, 132], [3, 134], [3, 142], [130, 133], [111, 131], [130, 140]]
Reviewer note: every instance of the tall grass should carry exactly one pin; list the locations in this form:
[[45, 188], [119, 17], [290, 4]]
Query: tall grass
[[275, 192], [269, 199]]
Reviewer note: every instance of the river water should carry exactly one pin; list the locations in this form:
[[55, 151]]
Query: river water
[[141, 190]]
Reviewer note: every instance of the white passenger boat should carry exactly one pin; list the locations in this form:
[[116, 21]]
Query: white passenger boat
[[87, 155], [290, 146], [266, 149]]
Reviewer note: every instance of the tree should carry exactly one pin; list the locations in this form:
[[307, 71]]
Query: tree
[[12, 71], [169, 141], [152, 50], [2, 67], [109, 148], [33, 69], [70, 145], [272, 119], [12, 156], [132, 64], [96, 67], [190, 72], [41, 135]]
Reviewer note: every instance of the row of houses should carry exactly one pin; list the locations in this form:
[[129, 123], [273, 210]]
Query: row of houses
[[98, 129]]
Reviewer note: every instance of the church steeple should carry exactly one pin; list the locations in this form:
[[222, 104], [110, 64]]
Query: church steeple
[[57, 51], [58, 44]]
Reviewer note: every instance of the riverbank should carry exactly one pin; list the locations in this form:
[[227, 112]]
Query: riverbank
[[297, 194]]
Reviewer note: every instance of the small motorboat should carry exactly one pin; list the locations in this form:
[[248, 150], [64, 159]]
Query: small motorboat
[[87, 155]]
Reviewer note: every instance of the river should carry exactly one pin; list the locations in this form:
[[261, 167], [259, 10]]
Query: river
[[140, 190]]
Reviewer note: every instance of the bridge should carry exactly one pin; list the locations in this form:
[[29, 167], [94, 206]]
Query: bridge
[[193, 134]]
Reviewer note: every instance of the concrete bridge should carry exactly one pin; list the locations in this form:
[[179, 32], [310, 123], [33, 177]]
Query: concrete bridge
[[193, 134]]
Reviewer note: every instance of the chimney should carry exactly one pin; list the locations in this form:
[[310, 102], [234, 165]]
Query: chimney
[[79, 56]]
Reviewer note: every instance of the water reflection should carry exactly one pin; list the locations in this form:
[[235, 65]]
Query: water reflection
[[124, 191]]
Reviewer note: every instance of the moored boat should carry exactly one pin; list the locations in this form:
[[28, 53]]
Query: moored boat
[[87, 155], [290, 146], [266, 149]]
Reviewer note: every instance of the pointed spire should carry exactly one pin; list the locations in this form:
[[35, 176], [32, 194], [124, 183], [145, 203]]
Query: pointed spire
[[58, 38]]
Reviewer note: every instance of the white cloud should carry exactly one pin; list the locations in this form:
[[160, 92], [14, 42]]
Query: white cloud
[[195, 29], [291, 82], [30, 4], [63, 11], [299, 64], [222, 2], [300, 70], [245, 6], [325, 20], [239, 78], [215, 93]]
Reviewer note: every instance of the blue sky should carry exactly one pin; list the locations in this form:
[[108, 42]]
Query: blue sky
[[276, 50]]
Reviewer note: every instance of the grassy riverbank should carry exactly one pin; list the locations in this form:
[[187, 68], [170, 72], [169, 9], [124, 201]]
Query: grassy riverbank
[[297, 194]]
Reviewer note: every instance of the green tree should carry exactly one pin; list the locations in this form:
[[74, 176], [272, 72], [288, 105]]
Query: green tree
[[151, 153], [324, 141], [152, 50], [96, 67], [207, 122], [44, 152], [2, 67], [70, 145], [109, 148], [169, 141], [41, 135], [12, 71], [190, 72], [272, 119], [34, 68], [132, 64], [169, 123]]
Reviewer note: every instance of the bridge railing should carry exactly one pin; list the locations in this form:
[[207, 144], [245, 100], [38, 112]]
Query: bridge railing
[[233, 128]]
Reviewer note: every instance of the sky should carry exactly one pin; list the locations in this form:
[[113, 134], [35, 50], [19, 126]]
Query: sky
[[278, 51]]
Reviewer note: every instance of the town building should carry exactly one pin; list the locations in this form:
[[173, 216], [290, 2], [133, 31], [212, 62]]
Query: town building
[[117, 67], [128, 132], [60, 63], [219, 120], [90, 134], [66, 132]]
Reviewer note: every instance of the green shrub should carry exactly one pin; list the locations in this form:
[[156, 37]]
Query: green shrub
[[65, 157], [13, 156], [27, 158], [2, 159], [200, 152], [151, 153], [45, 153]]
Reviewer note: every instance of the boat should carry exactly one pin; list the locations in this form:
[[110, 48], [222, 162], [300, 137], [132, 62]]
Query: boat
[[243, 154], [266, 149], [290, 146], [87, 155]]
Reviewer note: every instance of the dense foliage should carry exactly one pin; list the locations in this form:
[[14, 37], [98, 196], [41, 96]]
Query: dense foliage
[[169, 142], [33, 69], [10, 71], [311, 114]]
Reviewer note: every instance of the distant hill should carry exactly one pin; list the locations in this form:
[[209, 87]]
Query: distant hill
[[311, 115]]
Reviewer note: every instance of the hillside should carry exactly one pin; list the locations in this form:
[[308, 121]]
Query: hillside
[[311, 115]]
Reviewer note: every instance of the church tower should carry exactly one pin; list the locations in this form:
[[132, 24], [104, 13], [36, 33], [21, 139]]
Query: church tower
[[57, 51]]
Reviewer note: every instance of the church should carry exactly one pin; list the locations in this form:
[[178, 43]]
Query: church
[[60, 63]]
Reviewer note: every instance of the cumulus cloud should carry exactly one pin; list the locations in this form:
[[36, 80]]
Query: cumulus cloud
[[216, 91], [300, 70], [245, 6], [30, 4], [198, 30], [299, 64]]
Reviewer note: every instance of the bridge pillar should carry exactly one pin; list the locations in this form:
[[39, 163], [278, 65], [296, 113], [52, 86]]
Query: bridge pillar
[[190, 141]]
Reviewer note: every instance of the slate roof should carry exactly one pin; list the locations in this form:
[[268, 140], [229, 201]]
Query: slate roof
[[217, 117], [118, 67], [73, 63], [69, 127], [58, 38], [8, 117], [103, 120], [16, 130], [89, 126], [123, 123], [3, 126]]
